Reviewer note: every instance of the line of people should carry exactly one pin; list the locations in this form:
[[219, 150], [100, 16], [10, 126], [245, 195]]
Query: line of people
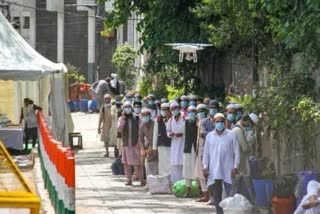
[[185, 138]]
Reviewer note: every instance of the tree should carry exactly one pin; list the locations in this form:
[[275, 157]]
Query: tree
[[163, 21], [123, 59]]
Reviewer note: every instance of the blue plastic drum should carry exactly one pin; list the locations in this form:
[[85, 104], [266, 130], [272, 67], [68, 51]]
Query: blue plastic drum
[[263, 189], [84, 105], [92, 106]]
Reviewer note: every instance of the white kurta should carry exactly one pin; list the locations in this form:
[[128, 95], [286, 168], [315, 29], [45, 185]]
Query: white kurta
[[177, 143], [313, 189], [221, 155], [163, 152]]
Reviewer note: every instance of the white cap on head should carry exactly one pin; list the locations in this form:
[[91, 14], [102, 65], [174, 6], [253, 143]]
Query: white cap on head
[[192, 108], [107, 96], [145, 110], [113, 75], [183, 97], [127, 103], [238, 106], [202, 106], [231, 106], [218, 115], [254, 118], [173, 104], [165, 105]]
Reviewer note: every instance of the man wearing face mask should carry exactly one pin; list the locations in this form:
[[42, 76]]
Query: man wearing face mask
[[146, 140], [184, 106], [175, 130], [161, 141], [128, 127], [189, 159], [193, 100], [239, 112], [137, 97], [221, 159], [152, 105], [137, 109], [105, 123], [239, 129], [231, 115], [115, 138], [205, 126]]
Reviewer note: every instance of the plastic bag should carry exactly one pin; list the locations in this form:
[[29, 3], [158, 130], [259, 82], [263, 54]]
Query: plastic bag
[[117, 167], [179, 189], [236, 204], [158, 184]]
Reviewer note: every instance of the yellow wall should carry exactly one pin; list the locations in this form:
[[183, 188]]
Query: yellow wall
[[7, 99]]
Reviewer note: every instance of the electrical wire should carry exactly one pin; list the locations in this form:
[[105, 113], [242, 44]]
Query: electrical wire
[[67, 13]]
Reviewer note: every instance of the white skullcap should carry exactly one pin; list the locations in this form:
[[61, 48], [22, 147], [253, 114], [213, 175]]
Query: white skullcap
[[190, 108], [254, 118], [173, 104], [202, 106], [183, 97], [113, 75], [127, 103], [107, 96], [218, 115], [145, 110], [231, 106], [238, 106], [165, 105]]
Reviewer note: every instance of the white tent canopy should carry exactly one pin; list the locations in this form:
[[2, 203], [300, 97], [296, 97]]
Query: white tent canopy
[[18, 60], [35, 77]]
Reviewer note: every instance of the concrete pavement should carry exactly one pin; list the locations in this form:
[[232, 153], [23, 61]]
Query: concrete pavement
[[98, 191]]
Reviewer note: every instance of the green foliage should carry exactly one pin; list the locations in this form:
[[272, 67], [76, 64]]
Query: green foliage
[[74, 74], [164, 22], [246, 101], [144, 86], [173, 92], [123, 59]]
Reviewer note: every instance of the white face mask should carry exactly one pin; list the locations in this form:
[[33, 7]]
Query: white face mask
[[127, 110], [137, 110]]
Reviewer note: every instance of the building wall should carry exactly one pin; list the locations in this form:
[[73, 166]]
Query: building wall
[[26, 17], [75, 38]]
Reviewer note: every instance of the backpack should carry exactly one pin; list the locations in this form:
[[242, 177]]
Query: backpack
[[117, 167]]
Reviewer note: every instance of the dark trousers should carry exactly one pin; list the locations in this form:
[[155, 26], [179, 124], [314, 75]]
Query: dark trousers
[[31, 134], [217, 194]]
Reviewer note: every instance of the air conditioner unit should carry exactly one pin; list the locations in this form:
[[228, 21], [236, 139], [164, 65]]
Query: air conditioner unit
[[109, 5]]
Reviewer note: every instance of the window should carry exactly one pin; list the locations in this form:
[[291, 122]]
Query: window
[[26, 22], [16, 22]]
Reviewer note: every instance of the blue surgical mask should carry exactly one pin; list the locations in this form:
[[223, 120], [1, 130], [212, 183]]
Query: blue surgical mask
[[151, 102], [213, 111], [192, 103], [145, 119], [127, 110], [231, 117], [239, 115], [184, 104], [219, 126], [175, 112], [192, 115], [163, 113], [248, 128], [201, 115]]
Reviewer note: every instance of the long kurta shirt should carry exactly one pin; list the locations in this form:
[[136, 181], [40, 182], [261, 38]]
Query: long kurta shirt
[[177, 143], [146, 135], [221, 155], [238, 130]]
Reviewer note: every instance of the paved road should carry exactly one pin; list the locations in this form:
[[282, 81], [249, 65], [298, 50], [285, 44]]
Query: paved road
[[100, 192]]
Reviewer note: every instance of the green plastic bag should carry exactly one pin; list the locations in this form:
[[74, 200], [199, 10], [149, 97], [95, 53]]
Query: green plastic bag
[[179, 189]]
